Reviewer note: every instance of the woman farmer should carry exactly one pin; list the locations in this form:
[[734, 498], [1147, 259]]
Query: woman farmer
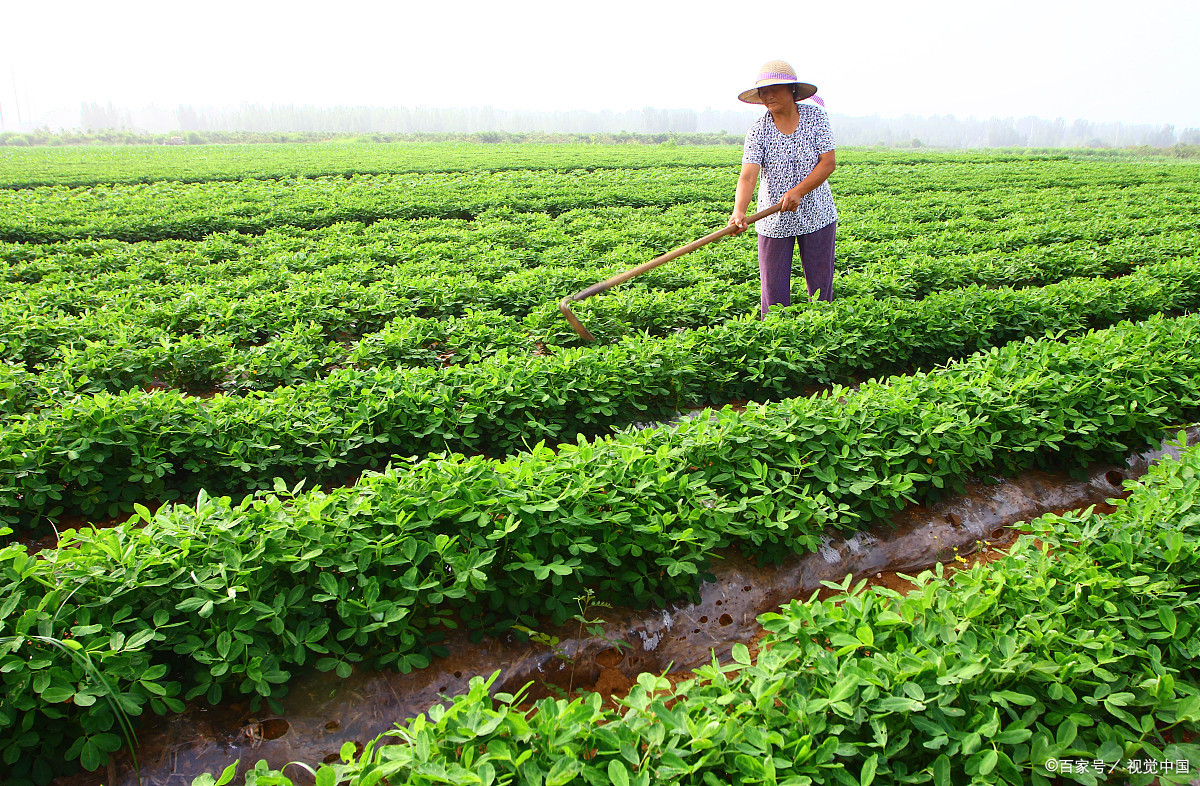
[[792, 147]]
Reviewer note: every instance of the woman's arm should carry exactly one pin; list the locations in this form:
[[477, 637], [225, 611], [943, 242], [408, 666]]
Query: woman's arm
[[747, 180], [821, 172]]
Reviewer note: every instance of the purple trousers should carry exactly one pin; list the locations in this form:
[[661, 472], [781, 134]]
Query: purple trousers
[[775, 266]]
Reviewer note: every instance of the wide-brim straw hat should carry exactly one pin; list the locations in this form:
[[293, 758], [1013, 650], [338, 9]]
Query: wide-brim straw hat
[[776, 72]]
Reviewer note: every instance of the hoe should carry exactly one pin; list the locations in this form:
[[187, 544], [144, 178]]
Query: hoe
[[620, 278]]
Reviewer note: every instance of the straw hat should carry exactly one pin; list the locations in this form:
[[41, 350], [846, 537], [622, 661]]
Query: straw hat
[[776, 72]]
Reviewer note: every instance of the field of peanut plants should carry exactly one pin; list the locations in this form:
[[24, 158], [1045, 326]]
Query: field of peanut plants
[[321, 405]]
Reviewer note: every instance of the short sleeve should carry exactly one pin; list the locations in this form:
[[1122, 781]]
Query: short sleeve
[[753, 151], [822, 133]]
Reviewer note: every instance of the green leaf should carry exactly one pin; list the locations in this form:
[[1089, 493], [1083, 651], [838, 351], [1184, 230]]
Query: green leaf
[[987, 762], [227, 774], [346, 752], [1167, 617], [900, 704], [328, 583], [941, 770], [1110, 751], [190, 604], [618, 773], [1066, 733], [139, 640], [868, 771], [1121, 699], [564, 771], [1012, 736], [1013, 697], [57, 693], [844, 688]]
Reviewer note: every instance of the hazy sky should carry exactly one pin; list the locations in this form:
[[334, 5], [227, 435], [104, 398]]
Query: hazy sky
[[1136, 62]]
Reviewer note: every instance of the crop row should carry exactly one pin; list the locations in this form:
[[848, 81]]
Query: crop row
[[299, 330], [495, 237], [469, 267], [501, 243], [932, 198], [86, 166], [249, 345], [100, 454], [249, 310], [74, 276], [351, 301], [1056, 652], [354, 279], [166, 210], [227, 597]]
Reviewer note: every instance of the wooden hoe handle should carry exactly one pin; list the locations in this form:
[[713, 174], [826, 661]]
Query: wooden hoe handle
[[621, 278]]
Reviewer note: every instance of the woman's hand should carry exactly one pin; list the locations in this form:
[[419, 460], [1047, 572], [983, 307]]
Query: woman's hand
[[747, 179], [826, 163], [791, 200]]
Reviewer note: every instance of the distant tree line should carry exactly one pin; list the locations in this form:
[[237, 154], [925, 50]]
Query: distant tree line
[[952, 132], [422, 120], [909, 131], [108, 124]]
